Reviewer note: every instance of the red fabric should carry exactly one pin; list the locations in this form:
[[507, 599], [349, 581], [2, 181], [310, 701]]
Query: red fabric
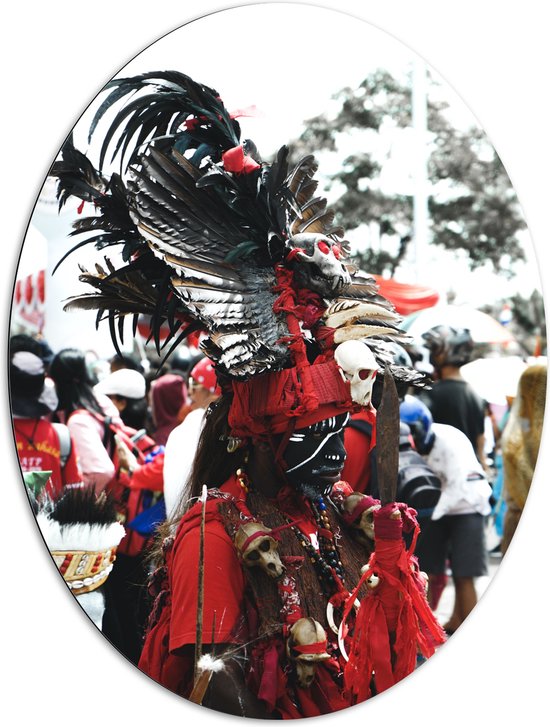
[[364, 504], [319, 648], [394, 621], [44, 456], [267, 403], [162, 656], [297, 396], [223, 593], [148, 476], [405, 297], [358, 445], [235, 160], [438, 583], [167, 660]]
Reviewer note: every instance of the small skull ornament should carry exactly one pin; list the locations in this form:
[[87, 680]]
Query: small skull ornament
[[306, 647], [257, 547], [364, 522], [320, 266], [358, 366]]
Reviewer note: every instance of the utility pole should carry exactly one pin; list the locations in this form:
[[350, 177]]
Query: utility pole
[[420, 172]]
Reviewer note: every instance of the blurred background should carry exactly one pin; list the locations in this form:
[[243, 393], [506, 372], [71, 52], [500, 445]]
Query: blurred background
[[426, 203]]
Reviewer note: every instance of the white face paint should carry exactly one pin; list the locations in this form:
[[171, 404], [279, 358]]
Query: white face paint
[[358, 366], [315, 456]]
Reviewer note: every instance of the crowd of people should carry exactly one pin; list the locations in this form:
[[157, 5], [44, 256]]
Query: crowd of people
[[109, 434], [133, 432]]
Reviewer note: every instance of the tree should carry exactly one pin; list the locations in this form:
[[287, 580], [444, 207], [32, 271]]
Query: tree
[[472, 204]]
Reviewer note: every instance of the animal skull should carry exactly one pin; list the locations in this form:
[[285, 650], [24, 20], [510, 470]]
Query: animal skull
[[321, 269], [365, 521], [358, 366], [306, 647], [257, 547]]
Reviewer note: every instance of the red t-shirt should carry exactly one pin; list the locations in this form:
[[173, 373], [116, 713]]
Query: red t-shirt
[[38, 450], [223, 593], [148, 476], [358, 445]]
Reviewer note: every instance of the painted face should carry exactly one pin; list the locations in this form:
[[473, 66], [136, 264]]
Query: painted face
[[315, 456]]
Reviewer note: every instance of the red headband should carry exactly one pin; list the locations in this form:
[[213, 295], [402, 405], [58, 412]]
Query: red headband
[[266, 404], [317, 648], [363, 504]]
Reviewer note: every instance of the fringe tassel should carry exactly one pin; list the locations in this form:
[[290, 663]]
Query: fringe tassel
[[394, 621]]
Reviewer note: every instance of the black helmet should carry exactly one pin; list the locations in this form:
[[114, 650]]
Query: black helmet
[[449, 346], [399, 354]]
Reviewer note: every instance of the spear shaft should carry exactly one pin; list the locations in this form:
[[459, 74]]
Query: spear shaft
[[200, 590]]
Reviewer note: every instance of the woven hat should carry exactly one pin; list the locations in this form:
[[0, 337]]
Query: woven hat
[[82, 533]]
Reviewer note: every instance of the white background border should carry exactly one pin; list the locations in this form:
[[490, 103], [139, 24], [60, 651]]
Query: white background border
[[55, 57]]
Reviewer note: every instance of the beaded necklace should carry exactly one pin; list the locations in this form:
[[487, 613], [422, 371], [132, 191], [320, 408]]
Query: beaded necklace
[[326, 559]]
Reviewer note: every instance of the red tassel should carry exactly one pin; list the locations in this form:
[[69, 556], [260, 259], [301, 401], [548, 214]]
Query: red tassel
[[394, 620]]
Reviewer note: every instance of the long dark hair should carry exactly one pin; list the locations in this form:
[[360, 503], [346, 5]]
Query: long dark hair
[[213, 464], [73, 382]]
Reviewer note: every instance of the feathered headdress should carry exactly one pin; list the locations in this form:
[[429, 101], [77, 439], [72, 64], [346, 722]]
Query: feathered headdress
[[215, 239]]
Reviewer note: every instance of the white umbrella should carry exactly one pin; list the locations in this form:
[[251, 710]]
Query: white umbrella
[[483, 328], [494, 378]]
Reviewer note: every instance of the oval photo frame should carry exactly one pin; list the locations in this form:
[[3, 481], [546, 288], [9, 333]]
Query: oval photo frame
[[220, 85]]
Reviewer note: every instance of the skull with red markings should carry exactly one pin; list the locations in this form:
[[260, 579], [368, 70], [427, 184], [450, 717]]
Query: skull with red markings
[[319, 267], [258, 548], [358, 366], [306, 646]]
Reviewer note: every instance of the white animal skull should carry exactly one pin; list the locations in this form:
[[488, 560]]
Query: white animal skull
[[365, 521], [321, 268], [308, 633], [359, 367], [257, 547]]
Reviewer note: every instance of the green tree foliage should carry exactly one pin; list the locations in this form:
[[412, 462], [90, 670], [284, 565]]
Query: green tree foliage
[[472, 205]]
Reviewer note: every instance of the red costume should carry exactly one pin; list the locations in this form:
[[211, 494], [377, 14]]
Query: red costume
[[232, 614], [218, 240]]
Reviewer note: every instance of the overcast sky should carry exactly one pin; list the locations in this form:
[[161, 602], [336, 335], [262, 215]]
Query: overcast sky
[[289, 70]]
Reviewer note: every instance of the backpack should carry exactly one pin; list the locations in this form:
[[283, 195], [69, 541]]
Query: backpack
[[417, 484], [64, 436], [129, 502]]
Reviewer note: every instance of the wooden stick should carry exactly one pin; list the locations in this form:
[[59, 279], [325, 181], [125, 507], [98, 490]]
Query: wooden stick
[[200, 592], [200, 686]]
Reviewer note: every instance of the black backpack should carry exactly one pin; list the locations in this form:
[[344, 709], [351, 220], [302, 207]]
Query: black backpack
[[417, 484]]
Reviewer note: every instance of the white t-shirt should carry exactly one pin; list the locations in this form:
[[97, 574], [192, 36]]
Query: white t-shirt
[[179, 454], [464, 486]]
